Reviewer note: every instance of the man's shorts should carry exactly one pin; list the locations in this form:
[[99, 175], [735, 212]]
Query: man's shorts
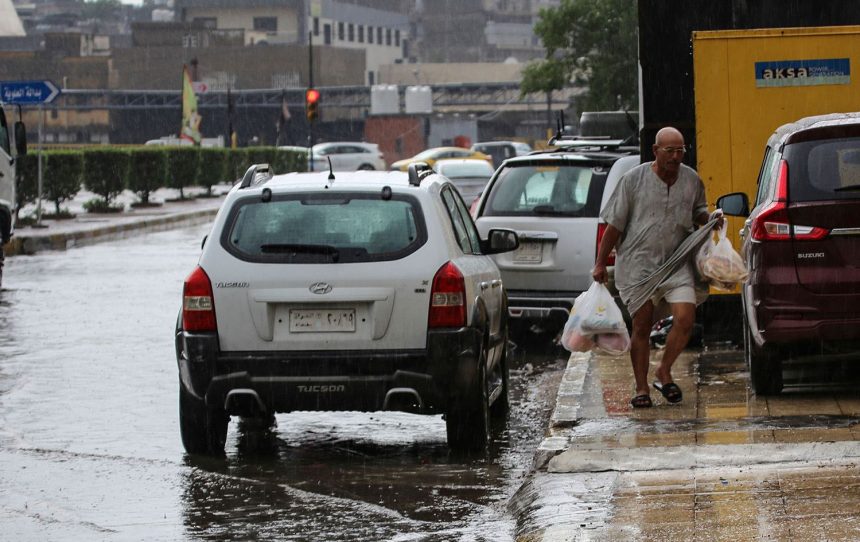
[[677, 294]]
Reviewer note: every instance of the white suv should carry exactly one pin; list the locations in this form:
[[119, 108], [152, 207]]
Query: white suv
[[350, 291], [552, 199]]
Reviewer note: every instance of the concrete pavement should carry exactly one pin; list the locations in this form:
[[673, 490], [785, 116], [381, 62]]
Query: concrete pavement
[[724, 464]]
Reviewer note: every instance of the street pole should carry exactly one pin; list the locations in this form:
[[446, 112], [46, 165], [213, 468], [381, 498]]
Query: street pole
[[39, 169], [310, 85]]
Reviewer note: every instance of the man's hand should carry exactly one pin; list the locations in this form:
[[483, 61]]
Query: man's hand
[[718, 213], [599, 273]]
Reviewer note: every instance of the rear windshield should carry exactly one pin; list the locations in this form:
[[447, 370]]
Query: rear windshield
[[567, 189], [336, 228], [826, 169]]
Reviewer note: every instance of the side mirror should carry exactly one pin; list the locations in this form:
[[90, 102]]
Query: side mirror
[[20, 138], [734, 204], [500, 240]]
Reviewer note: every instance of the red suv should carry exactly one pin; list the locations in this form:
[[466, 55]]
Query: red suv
[[801, 243]]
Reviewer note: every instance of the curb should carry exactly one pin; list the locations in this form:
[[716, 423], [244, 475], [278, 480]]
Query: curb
[[30, 243], [566, 411]]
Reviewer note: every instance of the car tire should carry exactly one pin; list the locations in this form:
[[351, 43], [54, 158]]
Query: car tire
[[467, 419], [765, 367], [203, 429], [366, 167], [500, 407]]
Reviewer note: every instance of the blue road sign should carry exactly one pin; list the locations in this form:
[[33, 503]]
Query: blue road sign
[[28, 92]]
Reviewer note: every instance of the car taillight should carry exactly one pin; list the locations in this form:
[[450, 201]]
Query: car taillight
[[773, 224], [448, 298], [198, 307], [601, 230]]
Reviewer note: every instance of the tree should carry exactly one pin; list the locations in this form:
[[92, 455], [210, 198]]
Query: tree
[[595, 43]]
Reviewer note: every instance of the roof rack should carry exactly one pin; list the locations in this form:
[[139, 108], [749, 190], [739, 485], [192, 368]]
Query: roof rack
[[417, 171], [256, 174]]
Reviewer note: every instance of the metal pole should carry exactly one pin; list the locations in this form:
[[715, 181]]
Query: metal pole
[[39, 168], [310, 85]]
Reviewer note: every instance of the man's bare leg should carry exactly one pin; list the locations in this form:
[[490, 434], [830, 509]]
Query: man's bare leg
[[640, 346], [683, 317]]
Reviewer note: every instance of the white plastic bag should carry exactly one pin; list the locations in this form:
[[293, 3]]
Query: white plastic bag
[[595, 320], [720, 264]]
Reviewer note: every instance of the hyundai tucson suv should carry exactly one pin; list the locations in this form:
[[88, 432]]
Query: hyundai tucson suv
[[552, 200], [801, 243], [343, 291]]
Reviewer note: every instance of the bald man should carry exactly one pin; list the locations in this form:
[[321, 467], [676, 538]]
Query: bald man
[[654, 208]]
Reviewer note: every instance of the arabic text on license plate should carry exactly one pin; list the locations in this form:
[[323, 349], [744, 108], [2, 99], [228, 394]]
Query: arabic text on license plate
[[528, 252], [313, 320]]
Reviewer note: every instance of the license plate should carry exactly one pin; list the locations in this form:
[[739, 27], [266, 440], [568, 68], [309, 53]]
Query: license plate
[[528, 252], [316, 321]]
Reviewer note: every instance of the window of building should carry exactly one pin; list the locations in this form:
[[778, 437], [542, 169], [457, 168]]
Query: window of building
[[327, 34], [206, 22], [370, 78], [351, 32], [316, 26], [369, 34], [340, 33], [379, 35], [361, 33], [387, 36], [397, 38], [266, 24]]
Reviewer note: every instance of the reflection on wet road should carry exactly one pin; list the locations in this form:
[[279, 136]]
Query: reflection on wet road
[[89, 440]]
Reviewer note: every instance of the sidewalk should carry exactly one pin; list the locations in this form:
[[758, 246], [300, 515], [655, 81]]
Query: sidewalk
[[722, 465], [87, 228]]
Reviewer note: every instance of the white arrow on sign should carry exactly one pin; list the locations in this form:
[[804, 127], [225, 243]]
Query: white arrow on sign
[[199, 87]]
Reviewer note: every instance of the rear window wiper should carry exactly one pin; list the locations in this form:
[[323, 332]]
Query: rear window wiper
[[546, 210], [847, 188], [285, 248]]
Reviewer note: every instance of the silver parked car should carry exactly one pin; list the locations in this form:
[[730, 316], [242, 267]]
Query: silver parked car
[[367, 291], [552, 200]]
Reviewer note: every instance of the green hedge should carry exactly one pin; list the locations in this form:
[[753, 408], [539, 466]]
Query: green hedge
[[26, 180], [182, 163], [213, 168], [106, 172], [61, 179], [146, 172]]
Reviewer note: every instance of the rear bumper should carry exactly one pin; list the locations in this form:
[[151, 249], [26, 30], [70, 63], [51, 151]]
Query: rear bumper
[[421, 381], [537, 305], [789, 328]]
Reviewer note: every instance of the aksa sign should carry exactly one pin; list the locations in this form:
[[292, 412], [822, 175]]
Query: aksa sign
[[797, 73]]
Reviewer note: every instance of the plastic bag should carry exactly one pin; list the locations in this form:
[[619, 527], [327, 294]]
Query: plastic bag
[[720, 264], [596, 321]]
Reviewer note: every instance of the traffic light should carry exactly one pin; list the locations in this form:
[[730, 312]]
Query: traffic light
[[312, 102]]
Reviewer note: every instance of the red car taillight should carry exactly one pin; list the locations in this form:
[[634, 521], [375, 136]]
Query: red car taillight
[[448, 298], [198, 307], [772, 223], [601, 230]]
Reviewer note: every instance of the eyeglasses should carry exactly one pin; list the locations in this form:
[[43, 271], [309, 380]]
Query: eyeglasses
[[673, 150]]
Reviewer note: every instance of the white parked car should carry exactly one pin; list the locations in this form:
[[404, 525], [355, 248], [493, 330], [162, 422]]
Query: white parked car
[[552, 200], [469, 175], [347, 156], [366, 291]]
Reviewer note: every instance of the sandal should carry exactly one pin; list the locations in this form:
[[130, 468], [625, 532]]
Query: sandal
[[641, 401], [670, 391]]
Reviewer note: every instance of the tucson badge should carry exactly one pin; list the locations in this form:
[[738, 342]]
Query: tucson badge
[[320, 288]]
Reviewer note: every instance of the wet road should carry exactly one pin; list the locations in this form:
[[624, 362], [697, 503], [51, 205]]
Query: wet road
[[89, 440]]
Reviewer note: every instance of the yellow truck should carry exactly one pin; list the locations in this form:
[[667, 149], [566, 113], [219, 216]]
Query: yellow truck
[[749, 82]]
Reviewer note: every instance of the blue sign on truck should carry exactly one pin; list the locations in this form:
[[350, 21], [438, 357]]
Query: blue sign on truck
[[28, 92]]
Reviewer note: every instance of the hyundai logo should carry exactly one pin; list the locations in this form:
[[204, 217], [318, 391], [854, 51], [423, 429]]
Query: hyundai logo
[[320, 288]]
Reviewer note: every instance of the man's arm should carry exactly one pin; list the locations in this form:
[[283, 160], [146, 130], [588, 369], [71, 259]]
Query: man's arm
[[607, 243]]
